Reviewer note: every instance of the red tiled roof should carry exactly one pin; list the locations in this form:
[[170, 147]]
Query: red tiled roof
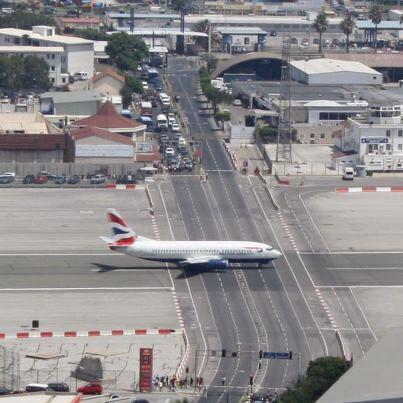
[[108, 118], [41, 142], [110, 73], [105, 134]]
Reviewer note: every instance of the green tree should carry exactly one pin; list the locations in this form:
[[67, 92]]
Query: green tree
[[223, 116], [268, 134], [320, 375], [320, 25], [126, 51], [25, 20], [211, 61], [35, 73], [205, 27], [91, 34], [375, 14], [132, 84], [347, 26], [11, 72]]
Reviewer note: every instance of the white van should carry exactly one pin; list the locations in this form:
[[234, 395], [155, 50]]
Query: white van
[[81, 75], [348, 173], [162, 121]]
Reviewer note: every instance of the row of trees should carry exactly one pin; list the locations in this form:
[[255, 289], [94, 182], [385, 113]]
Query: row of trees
[[25, 20], [347, 24], [18, 73], [214, 95]]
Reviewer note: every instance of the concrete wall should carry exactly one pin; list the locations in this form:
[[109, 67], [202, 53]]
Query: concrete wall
[[80, 108], [80, 58], [316, 134], [36, 156], [108, 86], [80, 168], [345, 78]]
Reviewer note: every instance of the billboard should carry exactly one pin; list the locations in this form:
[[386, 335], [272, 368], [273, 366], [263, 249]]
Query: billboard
[[146, 369]]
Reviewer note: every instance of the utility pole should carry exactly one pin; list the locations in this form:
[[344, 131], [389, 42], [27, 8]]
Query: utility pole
[[284, 129], [209, 37]]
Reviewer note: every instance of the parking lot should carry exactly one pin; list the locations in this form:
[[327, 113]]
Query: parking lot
[[54, 269]]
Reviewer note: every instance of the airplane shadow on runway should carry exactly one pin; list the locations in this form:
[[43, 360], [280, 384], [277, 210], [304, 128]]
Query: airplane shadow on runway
[[106, 268]]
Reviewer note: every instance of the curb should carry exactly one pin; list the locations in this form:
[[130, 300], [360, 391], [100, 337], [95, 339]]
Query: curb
[[120, 187], [90, 333], [231, 155], [369, 189]]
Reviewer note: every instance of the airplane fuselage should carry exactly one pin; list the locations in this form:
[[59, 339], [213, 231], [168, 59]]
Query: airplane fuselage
[[179, 251]]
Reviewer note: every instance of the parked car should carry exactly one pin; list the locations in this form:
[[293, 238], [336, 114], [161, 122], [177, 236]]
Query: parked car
[[348, 173], [91, 388], [11, 174], [28, 179], [97, 179], [60, 180], [73, 180], [175, 127], [6, 179], [5, 391], [40, 179], [237, 102], [50, 176], [37, 387], [59, 387]]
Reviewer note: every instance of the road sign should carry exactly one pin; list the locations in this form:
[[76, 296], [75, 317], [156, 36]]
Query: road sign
[[276, 356], [374, 140], [146, 369]]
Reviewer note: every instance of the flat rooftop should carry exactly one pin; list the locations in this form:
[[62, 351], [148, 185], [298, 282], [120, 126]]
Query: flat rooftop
[[241, 30], [31, 49], [328, 66], [374, 377], [67, 40]]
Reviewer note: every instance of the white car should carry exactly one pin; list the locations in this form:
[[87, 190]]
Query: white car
[[8, 174], [237, 102], [181, 142], [145, 85], [169, 151], [175, 127], [171, 120]]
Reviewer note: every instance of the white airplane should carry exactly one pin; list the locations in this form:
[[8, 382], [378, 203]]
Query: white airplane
[[213, 254]]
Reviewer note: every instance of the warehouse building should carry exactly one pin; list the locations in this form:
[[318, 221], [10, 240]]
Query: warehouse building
[[333, 72]]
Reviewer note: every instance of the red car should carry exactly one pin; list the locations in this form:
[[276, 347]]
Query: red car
[[91, 388], [40, 179]]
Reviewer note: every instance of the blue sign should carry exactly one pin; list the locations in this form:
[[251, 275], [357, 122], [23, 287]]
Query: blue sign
[[374, 140], [276, 356]]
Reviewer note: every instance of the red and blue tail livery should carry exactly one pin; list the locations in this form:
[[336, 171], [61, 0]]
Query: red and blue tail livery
[[123, 235]]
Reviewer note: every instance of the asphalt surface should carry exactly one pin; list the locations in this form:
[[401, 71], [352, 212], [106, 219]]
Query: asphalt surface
[[250, 307]]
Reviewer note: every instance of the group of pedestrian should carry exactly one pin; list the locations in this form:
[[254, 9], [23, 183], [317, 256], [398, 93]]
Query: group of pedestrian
[[171, 383]]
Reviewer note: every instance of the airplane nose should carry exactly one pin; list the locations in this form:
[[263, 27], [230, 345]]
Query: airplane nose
[[277, 253]]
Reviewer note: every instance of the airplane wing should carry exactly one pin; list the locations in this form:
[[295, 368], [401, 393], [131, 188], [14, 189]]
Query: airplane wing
[[198, 260]]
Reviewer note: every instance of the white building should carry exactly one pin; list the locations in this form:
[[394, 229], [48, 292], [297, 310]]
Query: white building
[[333, 72], [376, 138], [78, 53], [51, 54]]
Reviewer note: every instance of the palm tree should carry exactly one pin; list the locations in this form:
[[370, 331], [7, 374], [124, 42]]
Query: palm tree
[[205, 27], [320, 26], [375, 14], [347, 26]]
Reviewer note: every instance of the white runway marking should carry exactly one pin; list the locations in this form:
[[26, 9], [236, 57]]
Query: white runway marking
[[86, 289], [364, 268], [59, 254]]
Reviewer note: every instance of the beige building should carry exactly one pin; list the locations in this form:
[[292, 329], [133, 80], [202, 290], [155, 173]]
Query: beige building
[[317, 134], [108, 83]]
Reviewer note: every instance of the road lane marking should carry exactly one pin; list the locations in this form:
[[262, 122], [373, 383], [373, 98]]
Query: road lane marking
[[85, 288], [364, 268]]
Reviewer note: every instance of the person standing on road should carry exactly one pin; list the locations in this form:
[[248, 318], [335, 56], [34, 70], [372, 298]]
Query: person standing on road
[[223, 381]]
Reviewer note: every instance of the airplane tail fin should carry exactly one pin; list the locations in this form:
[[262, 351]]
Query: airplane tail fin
[[123, 235]]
